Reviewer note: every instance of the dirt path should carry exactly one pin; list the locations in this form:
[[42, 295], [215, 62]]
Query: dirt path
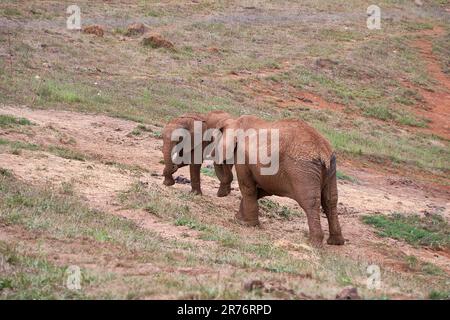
[[438, 102], [109, 146]]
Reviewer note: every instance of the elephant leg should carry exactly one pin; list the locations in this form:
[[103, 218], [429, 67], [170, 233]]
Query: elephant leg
[[195, 178], [225, 176], [310, 202], [329, 199], [169, 170], [248, 209]]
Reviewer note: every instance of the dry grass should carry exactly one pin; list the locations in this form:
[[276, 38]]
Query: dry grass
[[215, 61]]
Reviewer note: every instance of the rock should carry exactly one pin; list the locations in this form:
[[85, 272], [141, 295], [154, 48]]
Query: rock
[[156, 41], [94, 29], [135, 29], [325, 63], [348, 293], [213, 50], [418, 3], [182, 180], [306, 100], [251, 285]]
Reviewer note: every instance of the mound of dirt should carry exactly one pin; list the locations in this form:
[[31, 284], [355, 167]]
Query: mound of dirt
[[94, 29], [135, 29], [156, 41], [348, 293]]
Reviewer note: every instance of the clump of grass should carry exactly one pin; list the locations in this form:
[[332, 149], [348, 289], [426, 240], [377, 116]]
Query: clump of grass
[[342, 176], [6, 172], [441, 47], [417, 265], [51, 91], [140, 129], [439, 295], [274, 210], [210, 172], [67, 188], [8, 121], [139, 196], [15, 145], [66, 153], [157, 134], [432, 231], [62, 152], [407, 119], [379, 112], [11, 12]]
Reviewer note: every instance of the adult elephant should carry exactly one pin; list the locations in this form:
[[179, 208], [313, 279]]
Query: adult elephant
[[187, 122], [306, 171]]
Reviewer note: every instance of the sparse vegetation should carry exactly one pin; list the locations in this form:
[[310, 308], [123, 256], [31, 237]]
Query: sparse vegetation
[[432, 231], [343, 176], [367, 91], [8, 121], [274, 210], [210, 172], [27, 277], [16, 146]]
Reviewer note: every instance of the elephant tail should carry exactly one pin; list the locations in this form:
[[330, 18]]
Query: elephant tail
[[332, 168], [329, 187], [329, 169]]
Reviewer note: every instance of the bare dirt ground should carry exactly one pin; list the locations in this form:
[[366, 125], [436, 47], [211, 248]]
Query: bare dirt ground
[[312, 60], [108, 140], [438, 102]]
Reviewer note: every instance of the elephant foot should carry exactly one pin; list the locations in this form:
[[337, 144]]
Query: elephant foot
[[337, 240], [316, 240], [196, 192], [169, 181], [246, 223], [224, 190]]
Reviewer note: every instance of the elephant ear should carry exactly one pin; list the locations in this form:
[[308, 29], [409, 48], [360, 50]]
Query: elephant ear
[[191, 122], [214, 117], [227, 141]]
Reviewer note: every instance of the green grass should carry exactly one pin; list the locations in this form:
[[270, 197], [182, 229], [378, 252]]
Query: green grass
[[14, 145], [8, 121], [369, 142], [11, 12], [6, 172], [343, 176], [30, 278], [274, 210], [66, 153], [441, 48], [427, 268], [431, 231], [57, 92], [379, 112], [439, 295], [210, 172], [51, 91], [62, 152], [140, 129], [65, 217]]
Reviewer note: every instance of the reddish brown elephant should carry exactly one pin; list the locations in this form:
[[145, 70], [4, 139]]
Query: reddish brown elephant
[[306, 172], [186, 121]]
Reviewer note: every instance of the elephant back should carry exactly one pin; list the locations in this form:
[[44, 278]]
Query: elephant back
[[300, 141]]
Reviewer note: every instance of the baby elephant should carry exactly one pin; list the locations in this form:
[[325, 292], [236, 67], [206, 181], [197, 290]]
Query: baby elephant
[[187, 121], [305, 170]]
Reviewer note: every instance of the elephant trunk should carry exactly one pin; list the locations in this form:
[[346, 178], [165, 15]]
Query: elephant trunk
[[169, 167]]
